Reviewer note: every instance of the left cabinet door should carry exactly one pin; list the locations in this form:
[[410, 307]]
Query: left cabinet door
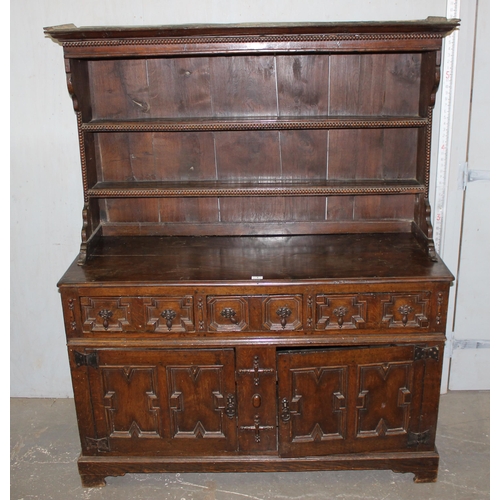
[[167, 402]]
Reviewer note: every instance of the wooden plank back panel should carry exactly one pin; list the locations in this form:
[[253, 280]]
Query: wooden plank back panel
[[303, 154], [302, 84], [370, 207], [144, 156], [375, 84], [378, 154], [258, 156]]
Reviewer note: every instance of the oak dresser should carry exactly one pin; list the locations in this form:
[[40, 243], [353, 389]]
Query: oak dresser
[[257, 287]]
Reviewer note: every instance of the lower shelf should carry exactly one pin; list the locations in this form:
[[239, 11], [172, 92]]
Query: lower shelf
[[424, 465]]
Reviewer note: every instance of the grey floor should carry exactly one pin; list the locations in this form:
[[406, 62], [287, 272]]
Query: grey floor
[[45, 447]]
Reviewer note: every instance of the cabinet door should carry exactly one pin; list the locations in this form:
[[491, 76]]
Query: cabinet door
[[352, 400], [163, 402]]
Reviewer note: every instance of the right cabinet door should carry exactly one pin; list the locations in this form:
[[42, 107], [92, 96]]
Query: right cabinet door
[[357, 400]]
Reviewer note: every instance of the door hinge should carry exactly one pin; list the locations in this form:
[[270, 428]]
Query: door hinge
[[101, 444], [86, 359], [426, 353], [416, 438]]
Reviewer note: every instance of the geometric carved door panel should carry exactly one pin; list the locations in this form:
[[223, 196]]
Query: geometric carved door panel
[[335, 400], [384, 397], [155, 401], [130, 401], [312, 397]]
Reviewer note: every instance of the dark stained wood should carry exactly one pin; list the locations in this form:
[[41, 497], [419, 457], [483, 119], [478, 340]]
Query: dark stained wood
[[302, 82], [424, 465], [360, 257], [257, 287], [375, 84], [379, 154]]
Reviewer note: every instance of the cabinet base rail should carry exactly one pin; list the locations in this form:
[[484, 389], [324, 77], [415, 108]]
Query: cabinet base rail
[[424, 465]]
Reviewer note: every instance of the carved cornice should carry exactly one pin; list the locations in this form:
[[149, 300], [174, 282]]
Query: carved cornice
[[252, 39]]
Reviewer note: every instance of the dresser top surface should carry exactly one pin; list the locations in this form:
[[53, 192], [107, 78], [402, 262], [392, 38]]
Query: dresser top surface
[[229, 260]]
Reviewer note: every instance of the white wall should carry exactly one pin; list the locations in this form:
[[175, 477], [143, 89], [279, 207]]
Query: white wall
[[46, 194]]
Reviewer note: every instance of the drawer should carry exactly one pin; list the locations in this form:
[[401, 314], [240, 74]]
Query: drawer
[[239, 313], [137, 314], [415, 310]]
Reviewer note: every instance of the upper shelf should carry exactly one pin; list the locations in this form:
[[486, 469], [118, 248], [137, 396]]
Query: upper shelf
[[165, 189], [253, 123]]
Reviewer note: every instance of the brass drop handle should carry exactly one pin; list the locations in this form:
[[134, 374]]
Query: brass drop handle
[[340, 312], [230, 314], [405, 310], [284, 313], [168, 315], [105, 314]]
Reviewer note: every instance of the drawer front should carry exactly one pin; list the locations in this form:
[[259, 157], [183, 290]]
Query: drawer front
[[137, 314], [377, 312], [256, 313]]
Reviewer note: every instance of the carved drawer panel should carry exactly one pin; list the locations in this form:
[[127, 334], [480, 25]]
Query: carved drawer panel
[[227, 314], [136, 314], [336, 312], [169, 314], [405, 310], [106, 314], [282, 312]]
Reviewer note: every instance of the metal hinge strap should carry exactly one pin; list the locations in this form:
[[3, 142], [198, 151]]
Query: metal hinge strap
[[416, 438], [426, 353], [101, 444], [86, 359]]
